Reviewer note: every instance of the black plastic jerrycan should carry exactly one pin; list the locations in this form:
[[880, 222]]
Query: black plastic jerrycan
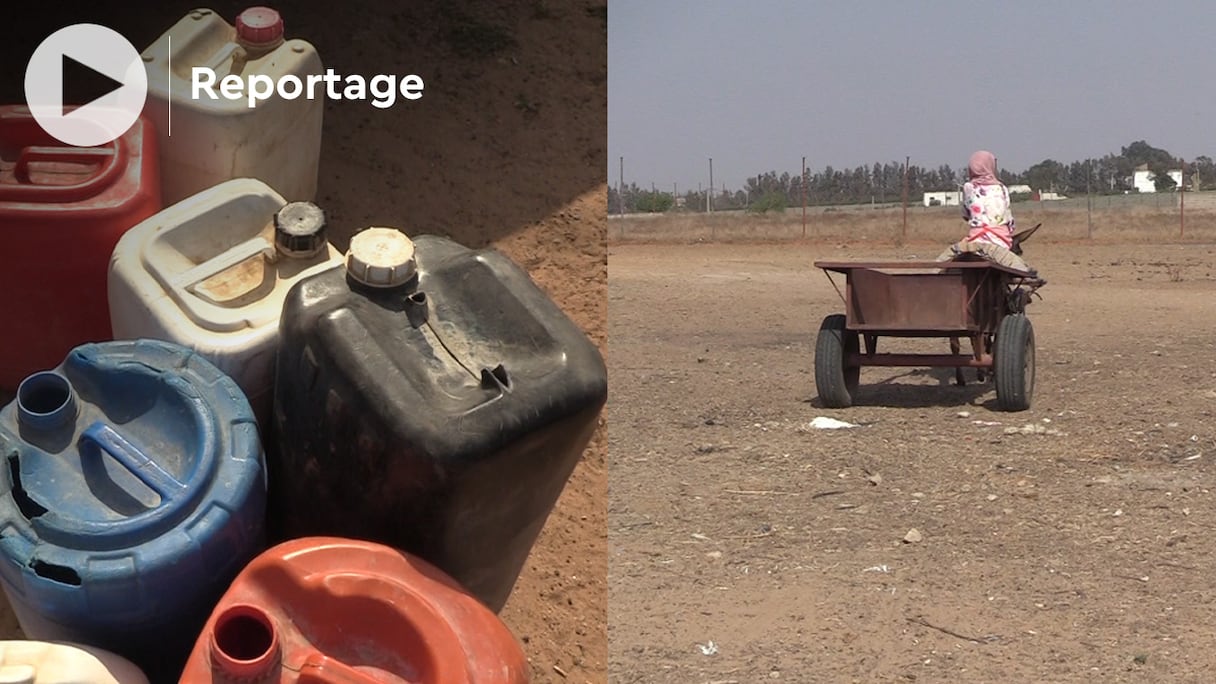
[[431, 398]]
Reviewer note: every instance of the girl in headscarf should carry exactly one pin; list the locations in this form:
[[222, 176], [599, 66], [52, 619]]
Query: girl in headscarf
[[986, 203], [986, 210]]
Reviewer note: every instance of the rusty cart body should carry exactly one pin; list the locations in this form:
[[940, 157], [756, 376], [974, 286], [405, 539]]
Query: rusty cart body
[[968, 298]]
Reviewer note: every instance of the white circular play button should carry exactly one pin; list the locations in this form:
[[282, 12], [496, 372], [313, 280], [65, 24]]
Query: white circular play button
[[97, 49]]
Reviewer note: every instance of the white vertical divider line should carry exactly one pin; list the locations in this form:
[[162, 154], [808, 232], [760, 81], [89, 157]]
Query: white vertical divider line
[[169, 100]]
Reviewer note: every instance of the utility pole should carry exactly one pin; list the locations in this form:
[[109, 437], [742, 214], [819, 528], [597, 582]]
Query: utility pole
[[711, 185], [904, 233], [804, 196]]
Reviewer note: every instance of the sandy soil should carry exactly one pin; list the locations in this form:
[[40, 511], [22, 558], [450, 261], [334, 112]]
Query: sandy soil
[[1077, 552], [506, 148]]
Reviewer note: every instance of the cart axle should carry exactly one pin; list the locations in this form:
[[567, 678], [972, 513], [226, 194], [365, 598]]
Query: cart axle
[[933, 360]]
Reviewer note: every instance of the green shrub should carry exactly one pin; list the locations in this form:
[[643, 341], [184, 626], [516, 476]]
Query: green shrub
[[654, 202], [772, 201]]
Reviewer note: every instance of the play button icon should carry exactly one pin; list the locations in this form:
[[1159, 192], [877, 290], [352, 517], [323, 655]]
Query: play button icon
[[82, 83], [109, 57]]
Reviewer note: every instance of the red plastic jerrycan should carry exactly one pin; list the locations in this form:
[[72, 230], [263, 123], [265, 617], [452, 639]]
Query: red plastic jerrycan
[[327, 610], [62, 210]]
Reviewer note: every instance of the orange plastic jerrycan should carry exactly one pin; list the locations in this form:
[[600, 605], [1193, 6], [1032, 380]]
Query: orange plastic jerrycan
[[328, 610]]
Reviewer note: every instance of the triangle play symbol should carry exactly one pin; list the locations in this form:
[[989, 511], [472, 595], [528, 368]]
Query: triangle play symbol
[[85, 81]]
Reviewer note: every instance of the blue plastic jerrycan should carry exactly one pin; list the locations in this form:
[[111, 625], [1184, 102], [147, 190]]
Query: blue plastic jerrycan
[[132, 492]]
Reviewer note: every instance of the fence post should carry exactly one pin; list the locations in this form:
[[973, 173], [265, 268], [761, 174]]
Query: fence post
[[903, 235], [1089, 203], [1182, 204], [620, 191], [804, 197]]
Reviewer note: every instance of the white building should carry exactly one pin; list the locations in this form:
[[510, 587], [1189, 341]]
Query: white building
[[1142, 179], [1020, 190], [943, 199]]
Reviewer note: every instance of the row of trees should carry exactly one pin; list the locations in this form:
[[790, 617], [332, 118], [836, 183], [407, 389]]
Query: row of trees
[[884, 182]]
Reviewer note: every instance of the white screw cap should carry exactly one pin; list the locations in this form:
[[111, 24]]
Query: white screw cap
[[381, 257]]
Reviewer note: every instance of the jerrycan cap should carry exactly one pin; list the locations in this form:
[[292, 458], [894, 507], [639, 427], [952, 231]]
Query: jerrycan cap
[[381, 257], [299, 229], [259, 27]]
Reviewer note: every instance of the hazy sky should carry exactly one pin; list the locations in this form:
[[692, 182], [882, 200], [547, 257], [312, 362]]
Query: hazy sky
[[757, 85]]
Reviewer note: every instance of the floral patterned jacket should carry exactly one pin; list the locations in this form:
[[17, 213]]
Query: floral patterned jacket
[[986, 210]]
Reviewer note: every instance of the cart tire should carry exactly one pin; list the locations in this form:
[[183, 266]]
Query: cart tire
[[1013, 361], [835, 381]]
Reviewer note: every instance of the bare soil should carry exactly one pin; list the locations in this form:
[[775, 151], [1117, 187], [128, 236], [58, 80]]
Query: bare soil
[[506, 149], [1077, 548]]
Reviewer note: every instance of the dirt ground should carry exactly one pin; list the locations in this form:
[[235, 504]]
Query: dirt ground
[[1069, 542], [506, 148]]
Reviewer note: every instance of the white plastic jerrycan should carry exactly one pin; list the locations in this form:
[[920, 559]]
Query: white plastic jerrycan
[[207, 141], [42, 662], [211, 273]]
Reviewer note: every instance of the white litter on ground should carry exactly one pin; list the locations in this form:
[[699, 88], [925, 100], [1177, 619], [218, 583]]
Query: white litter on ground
[[825, 423], [708, 649], [1032, 429]]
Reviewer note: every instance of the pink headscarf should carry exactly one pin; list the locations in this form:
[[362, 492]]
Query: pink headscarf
[[982, 167]]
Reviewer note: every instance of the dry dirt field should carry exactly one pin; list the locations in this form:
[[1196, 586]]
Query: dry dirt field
[[1078, 549]]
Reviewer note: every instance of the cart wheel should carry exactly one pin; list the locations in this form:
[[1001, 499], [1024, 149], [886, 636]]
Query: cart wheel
[[1013, 363], [836, 381]]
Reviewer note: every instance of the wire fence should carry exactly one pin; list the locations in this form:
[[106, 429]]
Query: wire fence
[[1146, 217], [880, 186]]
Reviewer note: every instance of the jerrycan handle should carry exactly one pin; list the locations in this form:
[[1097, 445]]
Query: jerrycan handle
[[185, 282], [111, 158], [100, 438], [321, 669]]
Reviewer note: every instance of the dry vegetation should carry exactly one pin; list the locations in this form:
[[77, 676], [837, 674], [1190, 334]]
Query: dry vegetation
[[933, 224]]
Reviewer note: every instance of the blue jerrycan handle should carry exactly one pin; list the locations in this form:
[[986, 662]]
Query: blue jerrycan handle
[[99, 439]]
